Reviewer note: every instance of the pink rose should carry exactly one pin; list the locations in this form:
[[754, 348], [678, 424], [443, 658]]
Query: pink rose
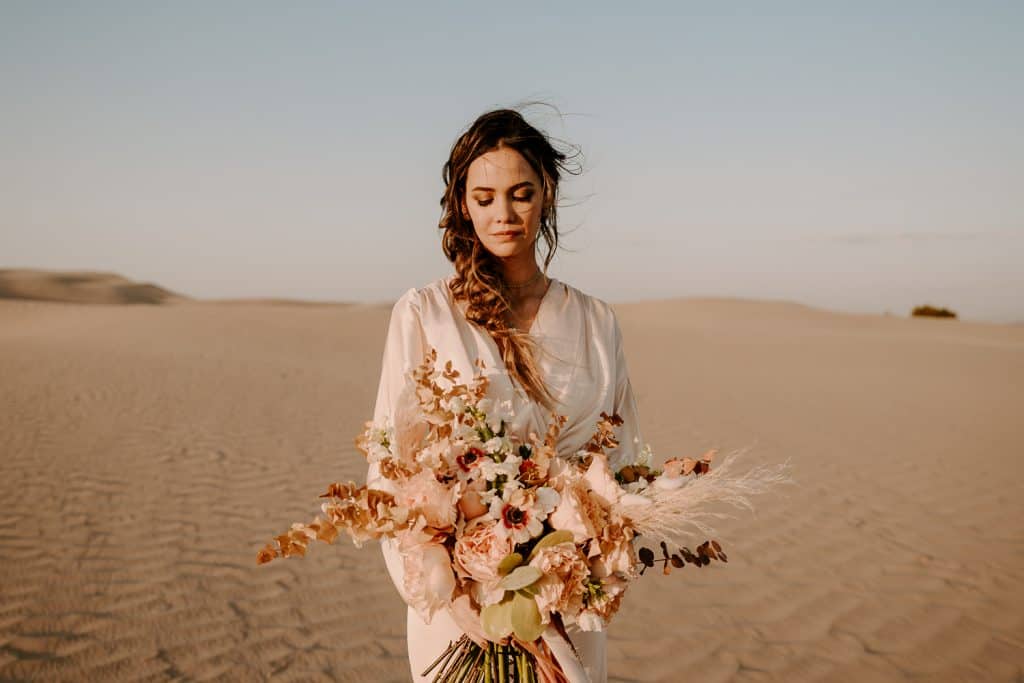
[[432, 499], [577, 513], [478, 552], [429, 581], [561, 587], [617, 554]]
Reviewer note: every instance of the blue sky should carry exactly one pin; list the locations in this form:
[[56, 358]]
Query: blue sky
[[855, 156]]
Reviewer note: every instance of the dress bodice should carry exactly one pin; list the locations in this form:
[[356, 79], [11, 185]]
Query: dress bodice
[[580, 357]]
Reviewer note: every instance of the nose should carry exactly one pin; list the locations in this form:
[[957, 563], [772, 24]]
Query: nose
[[506, 212]]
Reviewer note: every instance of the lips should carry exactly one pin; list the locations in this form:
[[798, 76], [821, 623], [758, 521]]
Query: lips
[[509, 233]]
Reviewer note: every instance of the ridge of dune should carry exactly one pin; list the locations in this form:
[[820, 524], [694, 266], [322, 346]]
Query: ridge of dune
[[80, 287], [274, 301]]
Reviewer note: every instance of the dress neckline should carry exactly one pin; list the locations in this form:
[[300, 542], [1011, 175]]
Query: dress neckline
[[540, 307], [552, 282]]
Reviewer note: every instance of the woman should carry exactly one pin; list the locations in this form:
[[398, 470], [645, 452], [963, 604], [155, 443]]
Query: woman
[[546, 346]]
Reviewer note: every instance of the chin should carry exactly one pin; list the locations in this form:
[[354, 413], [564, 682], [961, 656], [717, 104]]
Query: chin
[[504, 251]]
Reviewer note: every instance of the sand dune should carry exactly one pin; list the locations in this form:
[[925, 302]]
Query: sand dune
[[83, 287], [148, 452]]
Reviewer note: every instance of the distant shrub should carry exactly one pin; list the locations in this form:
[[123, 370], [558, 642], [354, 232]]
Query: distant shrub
[[932, 312]]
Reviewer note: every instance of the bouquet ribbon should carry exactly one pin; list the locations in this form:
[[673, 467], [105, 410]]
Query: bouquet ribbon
[[565, 657]]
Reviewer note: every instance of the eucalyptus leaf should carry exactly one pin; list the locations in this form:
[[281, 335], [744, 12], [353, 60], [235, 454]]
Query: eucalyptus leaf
[[532, 590], [510, 562], [497, 620], [521, 577], [526, 618], [554, 538]]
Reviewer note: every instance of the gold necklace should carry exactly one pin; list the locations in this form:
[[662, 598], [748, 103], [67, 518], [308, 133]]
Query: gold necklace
[[527, 283]]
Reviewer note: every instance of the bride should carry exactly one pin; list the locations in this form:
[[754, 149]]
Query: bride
[[546, 346]]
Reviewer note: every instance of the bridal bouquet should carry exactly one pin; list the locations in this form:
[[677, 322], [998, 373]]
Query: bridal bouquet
[[514, 541]]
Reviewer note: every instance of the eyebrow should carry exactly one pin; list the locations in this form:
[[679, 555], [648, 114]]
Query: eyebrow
[[525, 183]]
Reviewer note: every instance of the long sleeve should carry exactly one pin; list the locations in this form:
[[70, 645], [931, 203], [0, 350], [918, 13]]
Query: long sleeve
[[403, 350], [630, 441]]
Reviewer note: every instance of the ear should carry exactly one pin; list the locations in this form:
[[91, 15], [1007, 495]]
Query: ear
[[464, 209]]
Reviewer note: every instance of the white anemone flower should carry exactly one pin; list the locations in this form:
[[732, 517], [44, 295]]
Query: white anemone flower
[[488, 496], [520, 512]]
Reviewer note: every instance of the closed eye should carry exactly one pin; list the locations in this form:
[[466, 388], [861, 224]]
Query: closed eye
[[487, 202]]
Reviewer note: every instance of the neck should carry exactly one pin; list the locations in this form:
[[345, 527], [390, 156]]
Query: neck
[[519, 270]]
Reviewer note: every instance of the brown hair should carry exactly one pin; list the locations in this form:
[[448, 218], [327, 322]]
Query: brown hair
[[478, 280]]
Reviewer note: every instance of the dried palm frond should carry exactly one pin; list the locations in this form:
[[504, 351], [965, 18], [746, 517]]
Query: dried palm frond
[[674, 514]]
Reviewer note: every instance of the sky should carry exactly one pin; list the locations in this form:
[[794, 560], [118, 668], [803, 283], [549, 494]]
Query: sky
[[861, 157]]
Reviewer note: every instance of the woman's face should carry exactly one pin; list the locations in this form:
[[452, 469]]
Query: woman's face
[[504, 201]]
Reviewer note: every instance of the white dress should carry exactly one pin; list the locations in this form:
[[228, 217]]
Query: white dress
[[584, 366]]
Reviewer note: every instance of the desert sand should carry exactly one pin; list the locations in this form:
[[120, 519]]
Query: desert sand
[[148, 452]]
